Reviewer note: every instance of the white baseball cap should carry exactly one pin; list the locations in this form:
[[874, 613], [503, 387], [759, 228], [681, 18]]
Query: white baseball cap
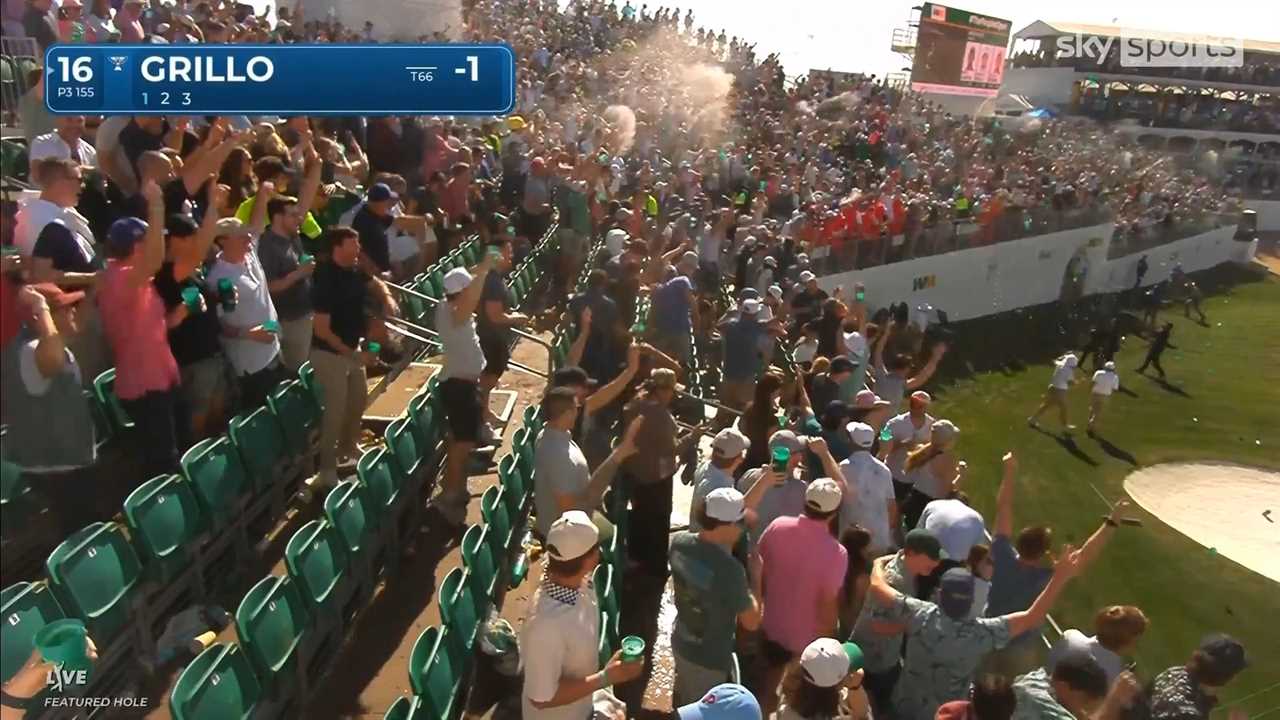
[[615, 240], [729, 443], [823, 495], [775, 291], [750, 307], [725, 505], [1109, 365], [1070, 360], [862, 434], [572, 535], [806, 276], [456, 280], [828, 661]]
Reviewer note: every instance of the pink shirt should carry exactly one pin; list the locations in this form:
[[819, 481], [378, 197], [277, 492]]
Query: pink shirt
[[802, 564], [133, 322]]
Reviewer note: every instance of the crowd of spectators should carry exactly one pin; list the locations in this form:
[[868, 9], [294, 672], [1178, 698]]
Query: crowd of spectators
[[205, 258]]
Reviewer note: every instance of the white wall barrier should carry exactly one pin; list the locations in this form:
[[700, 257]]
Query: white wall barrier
[[1268, 214], [1032, 271]]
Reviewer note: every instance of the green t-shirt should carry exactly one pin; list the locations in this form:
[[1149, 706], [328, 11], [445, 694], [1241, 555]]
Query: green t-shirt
[[710, 590], [310, 228]]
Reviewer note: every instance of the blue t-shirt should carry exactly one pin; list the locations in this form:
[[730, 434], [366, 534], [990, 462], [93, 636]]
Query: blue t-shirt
[[671, 306], [1014, 585], [742, 349]]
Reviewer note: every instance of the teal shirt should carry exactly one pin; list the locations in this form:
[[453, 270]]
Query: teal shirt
[[710, 590]]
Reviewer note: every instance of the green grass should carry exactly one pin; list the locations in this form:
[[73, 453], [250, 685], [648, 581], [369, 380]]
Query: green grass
[[1231, 377]]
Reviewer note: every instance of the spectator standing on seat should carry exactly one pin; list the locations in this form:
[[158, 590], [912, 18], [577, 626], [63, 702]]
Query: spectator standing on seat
[[288, 278], [66, 142], [798, 569], [193, 322], [251, 331], [599, 328], [61, 182], [712, 596], [459, 389], [878, 632], [147, 383], [651, 471], [51, 434], [340, 290], [559, 642], [562, 481], [494, 322]]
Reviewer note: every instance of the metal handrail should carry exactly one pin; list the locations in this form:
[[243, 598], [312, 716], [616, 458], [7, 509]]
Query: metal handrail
[[436, 301], [431, 337]]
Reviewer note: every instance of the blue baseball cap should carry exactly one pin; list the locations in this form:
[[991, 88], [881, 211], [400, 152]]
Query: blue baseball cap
[[729, 701], [382, 191], [124, 234]]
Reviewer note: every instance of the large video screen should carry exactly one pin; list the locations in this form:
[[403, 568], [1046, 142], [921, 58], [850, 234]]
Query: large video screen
[[959, 52]]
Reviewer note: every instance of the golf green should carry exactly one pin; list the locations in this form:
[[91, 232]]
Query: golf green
[[1221, 403]]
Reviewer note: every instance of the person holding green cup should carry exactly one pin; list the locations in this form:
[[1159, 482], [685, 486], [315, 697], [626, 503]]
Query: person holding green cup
[[559, 640]]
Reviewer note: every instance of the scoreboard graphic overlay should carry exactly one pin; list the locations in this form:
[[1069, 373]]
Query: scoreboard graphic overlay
[[279, 79], [959, 52]]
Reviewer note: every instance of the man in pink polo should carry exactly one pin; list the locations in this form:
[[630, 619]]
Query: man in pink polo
[[134, 323], [798, 569]]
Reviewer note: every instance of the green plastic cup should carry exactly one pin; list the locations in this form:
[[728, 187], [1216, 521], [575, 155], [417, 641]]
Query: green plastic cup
[[191, 297], [373, 347], [306, 258], [781, 457], [632, 648], [64, 642], [886, 434], [271, 326]]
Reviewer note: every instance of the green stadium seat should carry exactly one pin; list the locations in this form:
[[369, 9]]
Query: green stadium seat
[[348, 511], [260, 441], [458, 610], [522, 445], [434, 674], [513, 487], [498, 520], [405, 449], [270, 622], [104, 389], [24, 608], [381, 480], [477, 557], [218, 685], [533, 419], [165, 521], [605, 647], [215, 472], [297, 414], [317, 561], [93, 573], [607, 596], [424, 425], [414, 708], [15, 497], [307, 376], [102, 427]]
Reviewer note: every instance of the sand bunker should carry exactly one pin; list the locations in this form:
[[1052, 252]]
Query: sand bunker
[[1233, 509]]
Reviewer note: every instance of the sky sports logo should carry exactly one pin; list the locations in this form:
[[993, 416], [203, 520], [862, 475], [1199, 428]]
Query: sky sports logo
[[1167, 50]]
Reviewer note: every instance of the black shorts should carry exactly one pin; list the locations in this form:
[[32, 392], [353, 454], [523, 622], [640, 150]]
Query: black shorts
[[775, 654], [461, 401], [497, 354]]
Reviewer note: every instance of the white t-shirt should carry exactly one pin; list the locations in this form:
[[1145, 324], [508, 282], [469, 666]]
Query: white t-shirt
[[51, 145], [806, 350], [1075, 642], [37, 213], [253, 307], [463, 357], [1063, 374], [957, 526], [1105, 382], [559, 640], [867, 502]]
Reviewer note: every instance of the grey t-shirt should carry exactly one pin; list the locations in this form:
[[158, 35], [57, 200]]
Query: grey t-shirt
[[1074, 642], [559, 468], [710, 588], [279, 257], [710, 478], [462, 355], [785, 500], [890, 386]]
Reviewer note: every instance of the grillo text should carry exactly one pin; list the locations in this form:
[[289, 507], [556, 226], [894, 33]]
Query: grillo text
[[178, 68]]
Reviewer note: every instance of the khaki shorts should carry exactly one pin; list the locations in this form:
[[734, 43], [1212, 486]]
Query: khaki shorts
[[1056, 396]]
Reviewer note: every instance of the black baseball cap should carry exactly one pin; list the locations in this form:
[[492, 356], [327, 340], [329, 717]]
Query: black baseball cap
[[571, 376], [841, 364], [1223, 654], [179, 225], [923, 542]]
